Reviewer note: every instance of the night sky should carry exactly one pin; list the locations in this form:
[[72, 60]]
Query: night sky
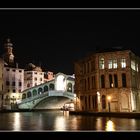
[[57, 38]]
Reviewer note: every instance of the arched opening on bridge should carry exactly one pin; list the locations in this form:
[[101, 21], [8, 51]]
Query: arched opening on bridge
[[34, 92], [29, 94], [51, 86], [40, 90], [45, 88], [69, 87], [23, 96], [68, 106]]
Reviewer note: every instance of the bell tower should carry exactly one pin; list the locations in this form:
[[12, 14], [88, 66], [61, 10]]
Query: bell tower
[[8, 55]]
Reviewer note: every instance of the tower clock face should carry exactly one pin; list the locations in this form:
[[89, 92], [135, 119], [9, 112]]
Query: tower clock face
[[60, 82]]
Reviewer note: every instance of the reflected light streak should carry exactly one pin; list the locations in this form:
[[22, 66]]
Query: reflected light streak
[[17, 123], [99, 124], [110, 126], [60, 124]]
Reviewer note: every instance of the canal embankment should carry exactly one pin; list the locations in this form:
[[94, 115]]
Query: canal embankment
[[107, 114]]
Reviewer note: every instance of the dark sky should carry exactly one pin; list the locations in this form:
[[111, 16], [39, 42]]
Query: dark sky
[[56, 38]]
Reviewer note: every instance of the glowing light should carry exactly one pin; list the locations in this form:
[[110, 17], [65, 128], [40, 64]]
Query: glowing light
[[110, 126], [60, 82], [17, 124], [109, 98]]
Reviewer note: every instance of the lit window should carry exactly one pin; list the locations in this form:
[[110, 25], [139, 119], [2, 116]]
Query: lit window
[[110, 64], [137, 67], [133, 65], [101, 63], [115, 63], [123, 63]]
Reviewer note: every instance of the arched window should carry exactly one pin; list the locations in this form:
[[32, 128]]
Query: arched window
[[40, 90], [45, 88], [51, 86], [29, 94], [103, 101], [34, 92], [23, 96], [69, 87]]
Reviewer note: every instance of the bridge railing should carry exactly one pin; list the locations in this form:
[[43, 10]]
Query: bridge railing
[[49, 93], [34, 97]]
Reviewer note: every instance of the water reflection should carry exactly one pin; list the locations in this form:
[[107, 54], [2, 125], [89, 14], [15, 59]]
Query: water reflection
[[63, 121], [60, 123], [110, 126], [17, 122]]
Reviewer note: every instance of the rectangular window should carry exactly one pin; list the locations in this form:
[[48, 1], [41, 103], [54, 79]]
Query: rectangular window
[[13, 83], [102, 81], [14, 90], [110, 81], [123, 80], [88, 84], [20, 84], [115, 64], [101, 63], [133, 65], [85, 84], [110, 64], [115, 80], [89, 101], [7, 83], [123, 63], [93, 82]]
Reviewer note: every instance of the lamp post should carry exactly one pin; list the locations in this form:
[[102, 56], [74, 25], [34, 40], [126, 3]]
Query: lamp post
[[109, 99]]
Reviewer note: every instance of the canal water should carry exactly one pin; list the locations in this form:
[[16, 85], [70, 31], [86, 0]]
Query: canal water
[[63, 121]]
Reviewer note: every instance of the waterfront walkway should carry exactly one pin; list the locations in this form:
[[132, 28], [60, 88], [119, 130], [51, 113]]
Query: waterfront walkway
[[86, 113], [108, 114]]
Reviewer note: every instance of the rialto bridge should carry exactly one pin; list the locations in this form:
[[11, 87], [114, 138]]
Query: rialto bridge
[[54, 94]]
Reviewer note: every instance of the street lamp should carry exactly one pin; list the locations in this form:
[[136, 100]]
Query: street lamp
[[109, 99]]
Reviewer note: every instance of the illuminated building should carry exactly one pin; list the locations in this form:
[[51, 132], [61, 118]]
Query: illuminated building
[[1, 80], [113, 74], [13, 77], [33, 76]]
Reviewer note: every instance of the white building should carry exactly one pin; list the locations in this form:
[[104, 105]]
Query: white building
[[33, 76], [12, 76], [13, 82]]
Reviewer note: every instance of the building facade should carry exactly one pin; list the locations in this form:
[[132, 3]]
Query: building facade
[[1, 81], [108, 81], [33, 76], [13, 83]]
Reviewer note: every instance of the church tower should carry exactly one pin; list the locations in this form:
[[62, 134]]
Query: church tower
[[8, 55]]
